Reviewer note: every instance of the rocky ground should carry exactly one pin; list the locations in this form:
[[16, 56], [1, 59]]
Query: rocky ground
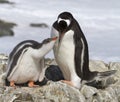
[[60, 92]]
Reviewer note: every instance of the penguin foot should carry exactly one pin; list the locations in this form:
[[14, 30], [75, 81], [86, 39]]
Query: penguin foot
[[67, 82], [12, 84], [31, 84]]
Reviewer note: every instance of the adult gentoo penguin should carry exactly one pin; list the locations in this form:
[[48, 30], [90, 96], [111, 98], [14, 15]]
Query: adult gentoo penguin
[[71, 52], [26, 62]]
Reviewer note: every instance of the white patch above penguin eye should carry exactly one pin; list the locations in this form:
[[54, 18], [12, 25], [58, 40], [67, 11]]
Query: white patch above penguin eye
[[66, 20]]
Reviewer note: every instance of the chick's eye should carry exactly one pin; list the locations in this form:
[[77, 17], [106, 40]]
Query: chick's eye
[[48, 40]]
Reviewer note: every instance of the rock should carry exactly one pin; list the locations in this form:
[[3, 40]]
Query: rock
[[115, 66], [110, 94], [6, 28], [107, 95], [3, 59], [89, 92], [42, 25], [52, 92], [49, 61], [60, 92], [96, 65], [5, 2]]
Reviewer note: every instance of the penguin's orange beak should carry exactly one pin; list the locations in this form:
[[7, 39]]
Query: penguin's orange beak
[[55, 38]]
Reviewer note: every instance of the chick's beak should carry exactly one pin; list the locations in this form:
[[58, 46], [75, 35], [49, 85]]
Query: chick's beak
[[54, 38]]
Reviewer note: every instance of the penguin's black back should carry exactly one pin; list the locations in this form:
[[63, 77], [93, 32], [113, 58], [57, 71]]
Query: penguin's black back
[[18, 50], [78, 34]]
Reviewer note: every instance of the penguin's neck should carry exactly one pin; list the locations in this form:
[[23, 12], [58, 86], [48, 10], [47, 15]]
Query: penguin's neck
[[66, 37], [44, 50], [41, 52]]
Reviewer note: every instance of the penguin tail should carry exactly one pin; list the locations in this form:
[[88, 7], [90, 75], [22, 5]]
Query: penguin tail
[[101, 80], [106, 73]]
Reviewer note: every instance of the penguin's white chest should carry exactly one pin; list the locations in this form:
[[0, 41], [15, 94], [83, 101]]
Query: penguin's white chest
[[26, 69], [64, 53]]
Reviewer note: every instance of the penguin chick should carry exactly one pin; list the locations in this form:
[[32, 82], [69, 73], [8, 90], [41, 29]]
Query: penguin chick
[[71, 51], [26, 62]]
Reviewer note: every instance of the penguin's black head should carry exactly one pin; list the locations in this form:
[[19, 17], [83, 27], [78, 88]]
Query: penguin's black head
[[64, 21]]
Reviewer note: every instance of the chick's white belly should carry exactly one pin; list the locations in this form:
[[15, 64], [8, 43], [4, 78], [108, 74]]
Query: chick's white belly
[[26, 70]]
